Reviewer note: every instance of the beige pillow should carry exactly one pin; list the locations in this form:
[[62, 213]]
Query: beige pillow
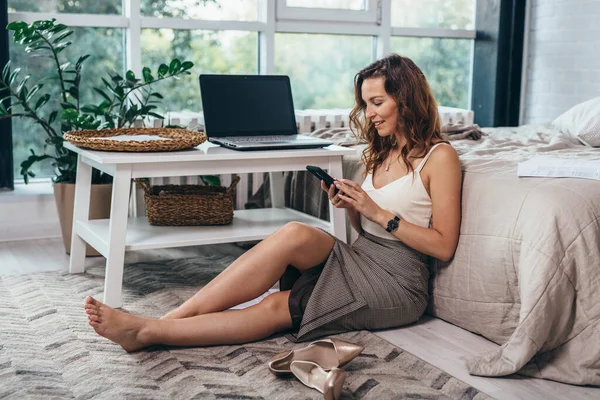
[[582, 121]]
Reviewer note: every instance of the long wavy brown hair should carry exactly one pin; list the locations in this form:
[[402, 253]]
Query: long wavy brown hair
[[417, 112]]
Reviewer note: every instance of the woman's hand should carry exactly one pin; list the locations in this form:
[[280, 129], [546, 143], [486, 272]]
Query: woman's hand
[[351, 193], [335, 199]]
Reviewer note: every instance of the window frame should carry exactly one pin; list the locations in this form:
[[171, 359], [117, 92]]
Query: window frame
[[370, 15], [6, 146]]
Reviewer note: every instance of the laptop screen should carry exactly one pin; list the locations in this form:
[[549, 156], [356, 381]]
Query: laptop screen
[[247, 105]]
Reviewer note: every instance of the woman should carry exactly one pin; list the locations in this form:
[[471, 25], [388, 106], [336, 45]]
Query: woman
[[408, 208]]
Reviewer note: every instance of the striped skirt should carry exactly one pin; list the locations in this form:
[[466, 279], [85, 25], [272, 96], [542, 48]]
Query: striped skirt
[[374, 283]]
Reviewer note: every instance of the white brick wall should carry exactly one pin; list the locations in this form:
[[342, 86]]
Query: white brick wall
[[563, 64]]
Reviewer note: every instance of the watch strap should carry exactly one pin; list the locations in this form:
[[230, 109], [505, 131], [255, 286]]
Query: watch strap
[[392, 224]]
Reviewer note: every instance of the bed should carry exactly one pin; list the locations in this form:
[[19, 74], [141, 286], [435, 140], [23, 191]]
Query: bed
[[527, 267]]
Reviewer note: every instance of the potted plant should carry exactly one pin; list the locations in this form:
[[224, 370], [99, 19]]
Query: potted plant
[[124, 101]]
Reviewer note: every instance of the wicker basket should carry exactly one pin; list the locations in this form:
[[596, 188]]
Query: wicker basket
[[186, 205], [178, 139]]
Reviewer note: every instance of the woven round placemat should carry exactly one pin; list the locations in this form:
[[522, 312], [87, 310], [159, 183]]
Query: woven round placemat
[[97, 139]]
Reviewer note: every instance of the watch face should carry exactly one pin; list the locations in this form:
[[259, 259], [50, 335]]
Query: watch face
[[392, 225]]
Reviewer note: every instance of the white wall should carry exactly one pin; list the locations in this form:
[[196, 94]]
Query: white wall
[[29, 212], [563, 64]]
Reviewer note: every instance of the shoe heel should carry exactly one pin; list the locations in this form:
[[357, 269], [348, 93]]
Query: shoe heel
[[330, 383]]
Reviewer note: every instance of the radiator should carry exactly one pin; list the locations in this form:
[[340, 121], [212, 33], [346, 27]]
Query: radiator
[[306, 121]]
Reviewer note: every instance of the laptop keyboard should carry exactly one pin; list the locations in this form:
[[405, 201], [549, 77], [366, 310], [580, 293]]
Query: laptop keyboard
[[259, 139]]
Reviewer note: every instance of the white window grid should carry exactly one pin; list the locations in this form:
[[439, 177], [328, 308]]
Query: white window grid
[[274, 16]]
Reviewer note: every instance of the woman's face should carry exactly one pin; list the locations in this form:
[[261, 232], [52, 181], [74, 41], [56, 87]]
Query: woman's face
[[382, 110]]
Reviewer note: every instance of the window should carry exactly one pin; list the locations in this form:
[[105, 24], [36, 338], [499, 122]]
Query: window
[[449, 14], [446, 64], [321, 67], [336, 4], [65, 6], [230, 10], [226, 52], [364, 11], [106, 49]]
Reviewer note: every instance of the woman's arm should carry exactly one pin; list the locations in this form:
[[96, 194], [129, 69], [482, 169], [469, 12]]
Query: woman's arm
[[354, 217]]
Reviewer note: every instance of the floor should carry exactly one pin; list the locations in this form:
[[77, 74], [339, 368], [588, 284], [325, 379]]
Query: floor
[[433, 340]]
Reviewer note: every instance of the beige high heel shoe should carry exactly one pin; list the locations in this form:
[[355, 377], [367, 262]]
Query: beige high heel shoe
[[312, 375], [327, 353]]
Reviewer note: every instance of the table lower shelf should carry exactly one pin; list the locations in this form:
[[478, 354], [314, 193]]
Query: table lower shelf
[[247, 225]]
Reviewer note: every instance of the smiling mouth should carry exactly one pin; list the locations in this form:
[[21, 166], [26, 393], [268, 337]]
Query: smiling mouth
[[378, 123]]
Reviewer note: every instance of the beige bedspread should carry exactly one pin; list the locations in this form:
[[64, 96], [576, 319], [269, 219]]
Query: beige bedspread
[[526, 273]]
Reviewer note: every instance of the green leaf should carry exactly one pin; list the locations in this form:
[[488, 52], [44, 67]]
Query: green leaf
[[13, 75], [103, 94], [41, 25], [58, 27], [211, 180], [147, 74], [55, 140], [90, 108], [155, 115], [73, 91], [52, 117], [116, 78], [130, 76], [155, 94], [22, 86], [6, 72], [109, 120], [16, 25], [174, 66], [23, 94], [106, 83], [37, 46], [68, 106], [187, 65], [41, 101], [59, 48], [62, 36], [79, 62], [163, 69], [33, 91], [65, 66]]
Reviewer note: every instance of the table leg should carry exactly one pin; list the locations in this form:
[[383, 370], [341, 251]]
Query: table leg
[[81, 212], [117, 231], [337, 215], [277, 195]]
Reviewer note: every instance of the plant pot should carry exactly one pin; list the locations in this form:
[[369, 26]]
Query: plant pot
[[64, 194]]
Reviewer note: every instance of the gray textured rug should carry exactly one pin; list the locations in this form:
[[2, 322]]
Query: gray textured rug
[[47, 349]]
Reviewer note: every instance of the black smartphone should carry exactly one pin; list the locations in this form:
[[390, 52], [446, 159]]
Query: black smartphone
[[319, 173]]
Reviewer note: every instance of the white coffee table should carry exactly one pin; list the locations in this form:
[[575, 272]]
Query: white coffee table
[[112, 237]]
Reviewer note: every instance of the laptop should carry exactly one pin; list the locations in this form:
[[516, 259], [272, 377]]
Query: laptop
[[252, 112]]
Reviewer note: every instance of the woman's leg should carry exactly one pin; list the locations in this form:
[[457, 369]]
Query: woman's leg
[[132, 333], [257, 270]]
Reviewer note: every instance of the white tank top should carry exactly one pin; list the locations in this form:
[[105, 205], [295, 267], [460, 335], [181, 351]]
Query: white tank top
[[405, 197]]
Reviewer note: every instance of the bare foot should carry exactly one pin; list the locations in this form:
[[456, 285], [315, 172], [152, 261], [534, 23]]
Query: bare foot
[[123, 329]]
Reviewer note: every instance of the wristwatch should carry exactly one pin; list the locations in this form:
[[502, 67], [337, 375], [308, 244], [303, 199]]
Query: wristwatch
[[393, 224]]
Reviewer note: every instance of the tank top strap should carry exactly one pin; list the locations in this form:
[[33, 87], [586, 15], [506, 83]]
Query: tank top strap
[[422, 164]]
